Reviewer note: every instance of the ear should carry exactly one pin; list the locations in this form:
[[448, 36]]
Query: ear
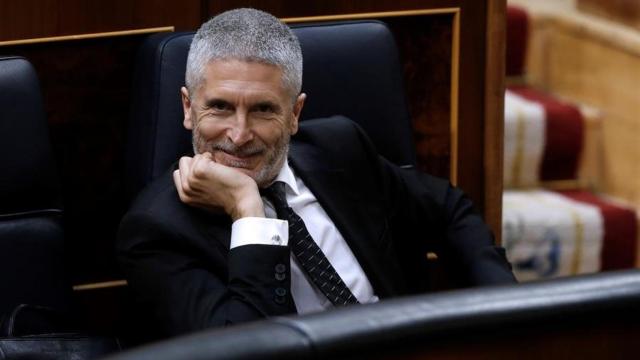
[[297, 110], [186, 108]]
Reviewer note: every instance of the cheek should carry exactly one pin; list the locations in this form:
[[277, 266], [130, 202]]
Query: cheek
[[271, 132], [209, 129]]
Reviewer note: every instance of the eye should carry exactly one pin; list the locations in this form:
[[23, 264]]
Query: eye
[[220, 106], [264, 108]]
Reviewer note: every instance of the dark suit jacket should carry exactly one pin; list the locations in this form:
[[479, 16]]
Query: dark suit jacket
[[177, 259]]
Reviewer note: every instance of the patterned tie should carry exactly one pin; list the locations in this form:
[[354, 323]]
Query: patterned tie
[[307, 251]]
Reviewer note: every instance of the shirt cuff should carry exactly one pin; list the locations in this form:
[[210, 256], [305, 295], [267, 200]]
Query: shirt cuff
[[259, 231]]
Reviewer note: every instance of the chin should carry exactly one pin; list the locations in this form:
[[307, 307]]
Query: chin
[[264, 176], [263, 171], [252, 174], [257, 175]]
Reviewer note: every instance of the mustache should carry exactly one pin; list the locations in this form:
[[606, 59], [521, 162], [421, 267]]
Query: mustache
[[240, 151]]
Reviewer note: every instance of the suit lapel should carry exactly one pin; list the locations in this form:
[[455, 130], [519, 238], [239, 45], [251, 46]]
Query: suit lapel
[[347, 209]]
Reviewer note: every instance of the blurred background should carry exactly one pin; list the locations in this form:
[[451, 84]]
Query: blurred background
[[572, 136]]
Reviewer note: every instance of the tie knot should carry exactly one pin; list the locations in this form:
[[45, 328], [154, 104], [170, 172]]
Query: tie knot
[[276, 194]]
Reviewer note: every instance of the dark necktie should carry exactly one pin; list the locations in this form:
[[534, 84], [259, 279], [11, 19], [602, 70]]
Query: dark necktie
[[308, 253]]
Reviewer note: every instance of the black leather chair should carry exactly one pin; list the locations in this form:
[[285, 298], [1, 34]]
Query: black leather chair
[[529, 321], [35, 296], [350, 68], [31, 237]]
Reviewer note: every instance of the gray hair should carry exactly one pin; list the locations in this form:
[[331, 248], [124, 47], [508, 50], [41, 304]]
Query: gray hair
[[248, 35]]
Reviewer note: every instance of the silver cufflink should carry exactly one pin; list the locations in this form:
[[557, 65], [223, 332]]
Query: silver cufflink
[[276, 239]]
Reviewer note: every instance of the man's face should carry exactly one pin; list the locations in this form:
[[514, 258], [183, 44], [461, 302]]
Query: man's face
[[243, 116]]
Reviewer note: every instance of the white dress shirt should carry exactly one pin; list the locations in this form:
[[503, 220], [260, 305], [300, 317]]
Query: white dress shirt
[[271, 231]]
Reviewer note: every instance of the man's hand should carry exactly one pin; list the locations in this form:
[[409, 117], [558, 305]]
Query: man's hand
[[202, 182]]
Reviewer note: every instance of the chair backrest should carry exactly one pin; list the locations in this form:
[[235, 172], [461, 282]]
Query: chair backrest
[[497, 322], [350, 68], [28, 179], [31, 235]]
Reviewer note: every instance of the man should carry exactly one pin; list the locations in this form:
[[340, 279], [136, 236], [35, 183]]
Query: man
[[336, 224]]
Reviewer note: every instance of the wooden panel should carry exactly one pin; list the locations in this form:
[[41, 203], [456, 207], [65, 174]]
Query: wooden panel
[[624, 11], [425, 44], [26, 19], [494, 113]]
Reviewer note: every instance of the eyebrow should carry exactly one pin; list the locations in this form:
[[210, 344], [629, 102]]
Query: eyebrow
[[215, 101], [209, 103], [275, 106]]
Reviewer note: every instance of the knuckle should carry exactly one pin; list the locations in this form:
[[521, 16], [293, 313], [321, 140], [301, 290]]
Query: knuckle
[[186, 198], [199, 170], [188, 180], [186, 187]]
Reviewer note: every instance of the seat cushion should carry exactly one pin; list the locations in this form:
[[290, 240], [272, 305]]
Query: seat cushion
[[32, 260]]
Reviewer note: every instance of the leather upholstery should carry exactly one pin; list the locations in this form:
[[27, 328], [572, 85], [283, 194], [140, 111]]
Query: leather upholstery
[[58, 347], [52, 339], [31, 235], [413, 323], [28, 177], [350, 68], [32, 261]]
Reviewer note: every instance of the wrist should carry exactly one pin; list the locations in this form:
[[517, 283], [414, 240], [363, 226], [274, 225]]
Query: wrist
[[249, 211], [249, 204]]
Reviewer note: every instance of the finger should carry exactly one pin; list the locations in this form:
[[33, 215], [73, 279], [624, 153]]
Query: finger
[[184, 164], [178, 182], [196, 167], [185, 171]]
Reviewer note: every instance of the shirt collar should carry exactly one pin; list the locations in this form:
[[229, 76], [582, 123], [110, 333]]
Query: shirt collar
[[286, 176]]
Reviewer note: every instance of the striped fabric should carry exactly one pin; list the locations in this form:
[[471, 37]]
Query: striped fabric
[[548, 235], [620, 230], [563, 136], [524, 141], [543, 138]]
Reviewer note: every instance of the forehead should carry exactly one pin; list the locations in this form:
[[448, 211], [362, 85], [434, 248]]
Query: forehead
[[242, 78]]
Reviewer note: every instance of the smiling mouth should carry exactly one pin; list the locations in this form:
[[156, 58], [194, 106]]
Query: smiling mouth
[[239, 160]]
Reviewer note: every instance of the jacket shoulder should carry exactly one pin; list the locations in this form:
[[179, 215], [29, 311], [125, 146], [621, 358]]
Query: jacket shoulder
[[335, 139], [328, 130]]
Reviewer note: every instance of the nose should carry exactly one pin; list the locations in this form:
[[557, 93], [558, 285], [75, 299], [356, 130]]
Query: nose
[[240, 132]]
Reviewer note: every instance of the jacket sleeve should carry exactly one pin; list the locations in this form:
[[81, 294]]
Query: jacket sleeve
[[182, 287], [445, 219], [429, 214]]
